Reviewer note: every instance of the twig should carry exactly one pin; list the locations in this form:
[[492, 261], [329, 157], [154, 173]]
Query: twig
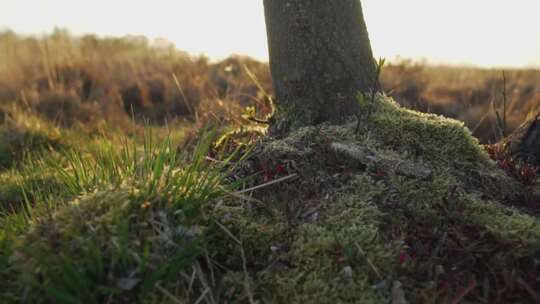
[[502, 122], [208, 158], [243, 197], [369, 261], [531, 291], [504, 101], [184, 97], [261, 88], [266, 122], [279, 180], [312, 211], [168, 294], [374, 89], [376, 86], [207, 290], [191, 281], [440, 243], [203, 295], [270, 266], [209, 262], [358, 116], [228, 232], [463, 293], [475, 128], [498, 122], [247, 285]]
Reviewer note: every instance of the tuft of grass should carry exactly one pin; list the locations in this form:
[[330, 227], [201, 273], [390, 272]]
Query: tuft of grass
[[126, 224]]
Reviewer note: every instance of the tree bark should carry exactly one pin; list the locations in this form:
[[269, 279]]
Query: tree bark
[[320, 59], [524, 142]]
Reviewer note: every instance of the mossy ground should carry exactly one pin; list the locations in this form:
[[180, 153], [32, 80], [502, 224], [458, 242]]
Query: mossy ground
[[410, 207], [357, 220]]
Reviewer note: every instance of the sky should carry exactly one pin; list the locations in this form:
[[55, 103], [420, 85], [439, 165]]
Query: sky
[[489, 33]]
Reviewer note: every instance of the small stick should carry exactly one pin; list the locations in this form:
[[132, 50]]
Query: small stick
[[369, 261], [243, 197], [203, 295], [244, 261], [247, 285], [228, 232], [279, 180], [472, 285], [531, 291], [504, 101], [168, 294]]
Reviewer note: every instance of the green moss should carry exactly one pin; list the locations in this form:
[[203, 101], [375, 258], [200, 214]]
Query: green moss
[[412, 199], [257, 231], [374, 223], [439, 141], [308, 261], [506, 223], [348, 240], [102, 244], [123, 223]]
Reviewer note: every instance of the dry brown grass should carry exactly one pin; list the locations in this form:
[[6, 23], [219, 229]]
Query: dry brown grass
[[85, 80], [88, 80], [471, 95]]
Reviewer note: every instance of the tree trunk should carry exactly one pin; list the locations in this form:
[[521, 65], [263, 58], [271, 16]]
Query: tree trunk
[[524, 143], [320, 58]]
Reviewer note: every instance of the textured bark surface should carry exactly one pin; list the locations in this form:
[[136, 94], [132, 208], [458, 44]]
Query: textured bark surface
[[320, 58], [524, 143]]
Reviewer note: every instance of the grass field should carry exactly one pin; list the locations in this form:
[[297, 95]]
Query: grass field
[[135, 173], [87, 80]]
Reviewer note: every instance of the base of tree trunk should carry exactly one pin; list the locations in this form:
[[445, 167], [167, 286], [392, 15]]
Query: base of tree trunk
[[320, 59]]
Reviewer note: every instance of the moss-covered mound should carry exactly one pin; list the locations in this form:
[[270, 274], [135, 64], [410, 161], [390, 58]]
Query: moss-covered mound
[[120, 225], [403, 207], [109, 245], [396, 207]]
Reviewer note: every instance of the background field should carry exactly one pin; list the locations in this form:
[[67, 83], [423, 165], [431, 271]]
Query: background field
[[85, 82]]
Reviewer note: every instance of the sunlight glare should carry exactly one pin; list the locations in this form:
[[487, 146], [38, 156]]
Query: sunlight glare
[[479, 32]]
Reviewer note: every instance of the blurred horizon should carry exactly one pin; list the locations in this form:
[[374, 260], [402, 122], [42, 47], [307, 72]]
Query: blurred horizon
[[489, 34]]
